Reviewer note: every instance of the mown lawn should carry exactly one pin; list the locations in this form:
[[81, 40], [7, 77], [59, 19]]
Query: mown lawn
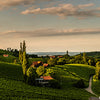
[[12, 86]]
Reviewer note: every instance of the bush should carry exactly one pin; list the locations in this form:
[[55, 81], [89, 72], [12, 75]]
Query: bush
[[49, 72], [31, 75], [51, 62], [61, 61], [40, 70], [54, 84], [80, 84]]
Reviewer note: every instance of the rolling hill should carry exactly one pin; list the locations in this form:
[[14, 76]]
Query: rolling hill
[[12, 86]]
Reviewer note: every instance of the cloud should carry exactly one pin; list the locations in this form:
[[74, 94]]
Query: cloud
[[85, 5], [64, 10], [49, 32], [10, 3]]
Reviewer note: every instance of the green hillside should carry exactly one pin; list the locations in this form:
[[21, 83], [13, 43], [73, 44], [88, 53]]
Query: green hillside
[[12, 86], [95, 54], [71, 73], [9, 59], [96, 87]]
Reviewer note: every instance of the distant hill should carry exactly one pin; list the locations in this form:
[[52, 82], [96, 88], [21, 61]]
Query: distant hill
[[53, 53], [95, 54], [12, 52], [11, 55]]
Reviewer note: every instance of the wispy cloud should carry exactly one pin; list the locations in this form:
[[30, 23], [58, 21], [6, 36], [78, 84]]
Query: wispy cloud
[[10, 3], [65, 10], [49, 32]]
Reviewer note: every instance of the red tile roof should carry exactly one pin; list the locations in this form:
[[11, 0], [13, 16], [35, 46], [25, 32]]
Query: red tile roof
[[60, 56], [35, 64], [5, 55], [45, 65], [46, 77], [52, 56]]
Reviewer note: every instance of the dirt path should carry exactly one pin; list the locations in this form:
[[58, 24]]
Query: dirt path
[[89, 89]]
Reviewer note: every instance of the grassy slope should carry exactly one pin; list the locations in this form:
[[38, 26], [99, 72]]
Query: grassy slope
[[9, 59], [12, 87], [95, 54], [96, 87], [71, 73]]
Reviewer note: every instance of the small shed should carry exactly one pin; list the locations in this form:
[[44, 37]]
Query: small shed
[[44, 79]]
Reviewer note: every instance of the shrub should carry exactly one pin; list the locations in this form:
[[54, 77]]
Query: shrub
[[95, 78], [91, 62], [40, 70], [49, 72], [61, 61], [80, 84], [31, 75], [51, 62], [54, 84]]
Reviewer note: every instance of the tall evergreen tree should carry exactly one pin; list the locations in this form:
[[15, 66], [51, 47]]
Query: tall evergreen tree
[[67, 52], [24, 65], [22, 58], [24, 46], [66, 55], [21, 54]]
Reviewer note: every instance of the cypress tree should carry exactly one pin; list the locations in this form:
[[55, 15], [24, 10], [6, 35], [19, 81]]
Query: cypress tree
[[21, 54], [24, 46], [67, 52], [22, 58], [24, 65]]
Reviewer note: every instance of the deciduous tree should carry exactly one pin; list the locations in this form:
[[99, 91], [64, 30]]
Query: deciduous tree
[[84, 58], [97, 71], [40, 70]]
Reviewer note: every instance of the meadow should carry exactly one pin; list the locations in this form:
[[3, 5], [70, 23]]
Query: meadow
[[12, 86]]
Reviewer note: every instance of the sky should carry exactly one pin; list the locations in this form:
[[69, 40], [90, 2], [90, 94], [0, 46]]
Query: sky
[[50, 25]]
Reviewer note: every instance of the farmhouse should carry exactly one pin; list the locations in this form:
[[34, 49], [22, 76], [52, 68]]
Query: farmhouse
[[45, 65], [52, 56], [5, 55], [60, 56], [40, 62], [37, 64], [34, 64], [44, 79]]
